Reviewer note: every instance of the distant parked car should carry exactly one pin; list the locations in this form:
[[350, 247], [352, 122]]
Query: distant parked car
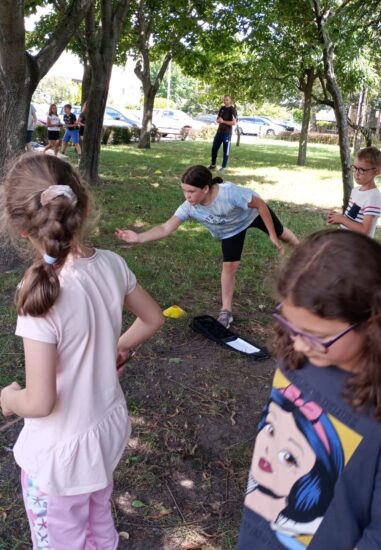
[[258, 126], [289, 126], [248, 125], [112, 117], [111, 113], [207, 119], [173, 121]]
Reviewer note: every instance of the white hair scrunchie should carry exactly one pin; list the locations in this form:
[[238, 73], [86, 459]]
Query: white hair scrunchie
[[55, 191], [49, 259]]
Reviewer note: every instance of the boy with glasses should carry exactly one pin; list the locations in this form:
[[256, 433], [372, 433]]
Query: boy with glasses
[[364, 206]]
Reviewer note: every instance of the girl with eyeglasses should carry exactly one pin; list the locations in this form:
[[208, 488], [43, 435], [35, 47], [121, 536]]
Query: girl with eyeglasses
[[364, 205], [315, 476]]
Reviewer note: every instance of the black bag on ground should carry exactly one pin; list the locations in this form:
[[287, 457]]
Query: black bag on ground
[[213, 330]]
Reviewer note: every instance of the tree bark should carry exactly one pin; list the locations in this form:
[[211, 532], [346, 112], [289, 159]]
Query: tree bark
[[102, 40], [306, 85], [86, 81], [21, 72], [360, 120], [150, 90], [145, 133], [334, 90]]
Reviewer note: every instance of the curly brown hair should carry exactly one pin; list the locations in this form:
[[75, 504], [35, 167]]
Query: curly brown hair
[[51, 229], [336, 274]]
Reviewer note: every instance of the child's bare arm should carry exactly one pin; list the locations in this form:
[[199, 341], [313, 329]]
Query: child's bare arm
[[264, 212], [39, 396], [154, 234], [149, 319], [335, 218]]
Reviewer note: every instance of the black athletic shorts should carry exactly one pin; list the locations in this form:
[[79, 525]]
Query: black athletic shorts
[[53, 135], [233, 246]]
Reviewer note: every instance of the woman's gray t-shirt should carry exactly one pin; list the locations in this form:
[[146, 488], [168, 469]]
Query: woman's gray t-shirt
[[227, 215]]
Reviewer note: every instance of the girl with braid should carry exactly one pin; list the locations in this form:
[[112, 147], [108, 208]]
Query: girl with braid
[[69, 307]]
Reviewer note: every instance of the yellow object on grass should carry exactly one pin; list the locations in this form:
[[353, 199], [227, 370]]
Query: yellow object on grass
[[174, 312], [157, 172]]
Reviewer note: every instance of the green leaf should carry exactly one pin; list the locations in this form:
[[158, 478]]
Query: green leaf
[[138, 504]]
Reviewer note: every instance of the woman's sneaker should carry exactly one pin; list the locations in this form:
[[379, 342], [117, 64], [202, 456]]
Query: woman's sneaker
[[225, 318]]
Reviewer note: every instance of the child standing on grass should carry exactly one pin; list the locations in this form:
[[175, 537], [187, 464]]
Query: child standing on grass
[[227, 211], [53, 123], [364, 206], [71, 132], [315, 476], [69, 308]]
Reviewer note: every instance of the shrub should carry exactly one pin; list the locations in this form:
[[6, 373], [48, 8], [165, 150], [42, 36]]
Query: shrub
[[207, 132], [313, 137], [40, 134], [115, 135]]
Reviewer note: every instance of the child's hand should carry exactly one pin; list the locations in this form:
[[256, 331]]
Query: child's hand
[[4, 397], [276, 242], [127, 235], [333, 217], [123, 355]]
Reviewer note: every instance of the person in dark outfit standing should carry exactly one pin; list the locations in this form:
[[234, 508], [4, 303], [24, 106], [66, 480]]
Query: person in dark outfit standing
[[226, 118]]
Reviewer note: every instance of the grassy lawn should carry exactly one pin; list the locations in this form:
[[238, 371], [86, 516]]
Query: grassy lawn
[[194, 406], [143, 189]]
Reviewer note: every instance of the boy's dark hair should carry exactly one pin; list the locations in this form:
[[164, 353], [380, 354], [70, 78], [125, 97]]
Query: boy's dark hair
[[336, 274], [51, 228], [371, 154], [67, 106], [199, 176]]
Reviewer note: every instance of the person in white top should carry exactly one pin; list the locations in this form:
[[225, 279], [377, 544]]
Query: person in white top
[[69, 307], [364, 205], [54, 125]]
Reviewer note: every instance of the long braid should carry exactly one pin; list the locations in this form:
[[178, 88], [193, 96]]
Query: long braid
[[52, 227]]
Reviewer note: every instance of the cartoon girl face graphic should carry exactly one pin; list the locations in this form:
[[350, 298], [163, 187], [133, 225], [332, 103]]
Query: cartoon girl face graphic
[[297, 459]]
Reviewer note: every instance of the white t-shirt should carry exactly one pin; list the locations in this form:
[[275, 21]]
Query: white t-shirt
[[55, 123], [75, 449], [227, 215], [364, 203]]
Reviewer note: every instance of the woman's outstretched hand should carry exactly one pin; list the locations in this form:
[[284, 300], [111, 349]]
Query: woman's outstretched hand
[[127, 235]]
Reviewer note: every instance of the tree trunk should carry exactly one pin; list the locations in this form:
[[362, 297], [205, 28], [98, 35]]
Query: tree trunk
[[102, 40], [307, 92], [96, 105], [18, 80], [86, 81], [145, 134], [21, 72], [360, 120], [339, 107]]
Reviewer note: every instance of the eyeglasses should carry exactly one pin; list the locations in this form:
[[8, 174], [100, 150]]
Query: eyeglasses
[[360, 171], [313, 342]]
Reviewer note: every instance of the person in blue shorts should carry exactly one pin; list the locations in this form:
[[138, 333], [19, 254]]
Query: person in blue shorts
[[227, 211], [72, 130]]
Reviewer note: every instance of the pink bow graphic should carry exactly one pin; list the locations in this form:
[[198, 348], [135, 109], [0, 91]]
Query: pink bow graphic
[[311, 410]]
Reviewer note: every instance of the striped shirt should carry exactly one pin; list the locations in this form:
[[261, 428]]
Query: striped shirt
[[364, 203]]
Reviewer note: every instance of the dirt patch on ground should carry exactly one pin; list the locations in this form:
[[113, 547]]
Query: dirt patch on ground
[[194, 408]]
